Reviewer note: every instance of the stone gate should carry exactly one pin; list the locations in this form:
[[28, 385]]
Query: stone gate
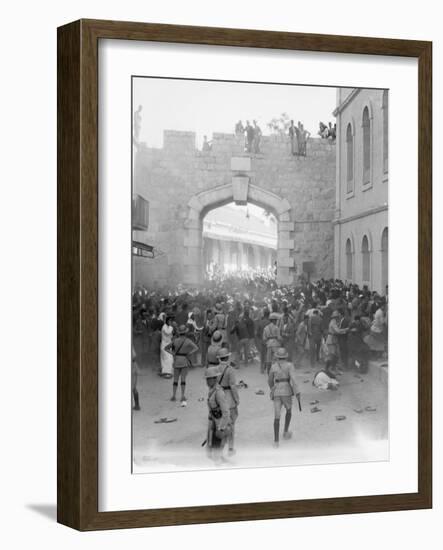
[[182, 184]]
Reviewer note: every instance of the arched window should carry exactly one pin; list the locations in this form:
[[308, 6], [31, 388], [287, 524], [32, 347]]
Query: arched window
[[385, 130], [366, 123], [349, 159], [349, 260], [384, 260], [366, 261]]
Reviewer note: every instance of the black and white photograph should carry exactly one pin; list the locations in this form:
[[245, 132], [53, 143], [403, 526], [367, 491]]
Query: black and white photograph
[[260, 290]]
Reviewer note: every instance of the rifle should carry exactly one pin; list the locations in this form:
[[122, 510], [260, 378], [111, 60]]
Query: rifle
[[299, 402]]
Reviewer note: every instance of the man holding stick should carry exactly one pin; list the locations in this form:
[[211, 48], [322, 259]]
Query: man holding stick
[[283, 386]]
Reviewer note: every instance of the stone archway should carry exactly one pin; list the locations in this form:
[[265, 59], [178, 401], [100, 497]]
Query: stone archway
[[240, 191]]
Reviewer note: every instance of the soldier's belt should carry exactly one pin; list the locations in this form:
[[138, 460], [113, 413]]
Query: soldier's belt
[[282, 380]]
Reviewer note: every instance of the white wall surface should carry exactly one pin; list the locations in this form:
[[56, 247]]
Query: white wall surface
[[28, 244]]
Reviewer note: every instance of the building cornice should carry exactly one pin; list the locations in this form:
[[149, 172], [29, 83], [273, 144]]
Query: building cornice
[[369, 212], [346, 102]]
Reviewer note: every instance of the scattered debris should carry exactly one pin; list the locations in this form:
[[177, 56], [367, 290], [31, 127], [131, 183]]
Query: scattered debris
[[306, 381], [201, 399], [165, 420], [314, 402], [340, 417], [260, 392], [242, 384], [359, 411], [370, 409], [315, 410]]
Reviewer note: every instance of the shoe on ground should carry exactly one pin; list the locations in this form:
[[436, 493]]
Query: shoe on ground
[[173, 398], [287, 435], [136, 408], [276, 444]]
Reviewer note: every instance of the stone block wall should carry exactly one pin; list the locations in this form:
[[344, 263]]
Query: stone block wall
[[171, 177]]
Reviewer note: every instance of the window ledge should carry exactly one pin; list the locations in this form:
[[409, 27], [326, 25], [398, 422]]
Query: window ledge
[[367, 186], [349, 195]]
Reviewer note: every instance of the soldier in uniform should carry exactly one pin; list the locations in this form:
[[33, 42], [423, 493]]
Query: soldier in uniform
[[333, 331], [220, 322], [134, 377], [216, 344], [219, 420], [181, 348], [281, 380], [271, 339], [228, 382]]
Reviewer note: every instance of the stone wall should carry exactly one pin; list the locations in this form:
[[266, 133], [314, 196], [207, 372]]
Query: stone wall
[[171, 177]]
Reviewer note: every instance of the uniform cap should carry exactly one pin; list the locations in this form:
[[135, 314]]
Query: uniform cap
[[223, 352], [273, 316], [217, 336], [211, 372], [335, 314], [281, 353]]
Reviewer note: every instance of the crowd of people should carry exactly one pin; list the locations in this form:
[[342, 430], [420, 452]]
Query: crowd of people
[[239, 320], [252, 134], [327, 131]]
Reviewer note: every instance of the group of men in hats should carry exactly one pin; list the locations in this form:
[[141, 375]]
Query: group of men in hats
[[223, 400]]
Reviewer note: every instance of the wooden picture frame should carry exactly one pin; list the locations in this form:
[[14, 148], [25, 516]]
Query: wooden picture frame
[[77, 456]]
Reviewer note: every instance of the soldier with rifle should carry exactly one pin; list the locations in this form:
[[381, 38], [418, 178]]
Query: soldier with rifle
[[228, 383], [281, 380], [219, 420]]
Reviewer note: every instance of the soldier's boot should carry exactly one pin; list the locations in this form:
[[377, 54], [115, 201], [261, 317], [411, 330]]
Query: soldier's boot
[[183, 390], [174, 390], [287, 434], [136, 401], [231, 450], [276, 431]]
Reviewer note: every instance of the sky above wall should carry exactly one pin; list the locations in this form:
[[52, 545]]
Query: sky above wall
[[207, 107]]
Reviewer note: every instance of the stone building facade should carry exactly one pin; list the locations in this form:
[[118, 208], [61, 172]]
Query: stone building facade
[[182, 184], [361, 219]]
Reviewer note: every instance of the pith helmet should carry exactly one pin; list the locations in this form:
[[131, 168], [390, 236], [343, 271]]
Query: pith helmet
[[182, 329], [273, 316], [335, 314], [223, 353], [217, 336], [281, 353], [211, 372]]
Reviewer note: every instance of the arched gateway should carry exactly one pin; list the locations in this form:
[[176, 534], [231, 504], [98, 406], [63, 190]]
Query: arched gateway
[[240, 191]]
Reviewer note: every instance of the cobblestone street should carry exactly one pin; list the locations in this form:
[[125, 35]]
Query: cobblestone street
[[317, 437]]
